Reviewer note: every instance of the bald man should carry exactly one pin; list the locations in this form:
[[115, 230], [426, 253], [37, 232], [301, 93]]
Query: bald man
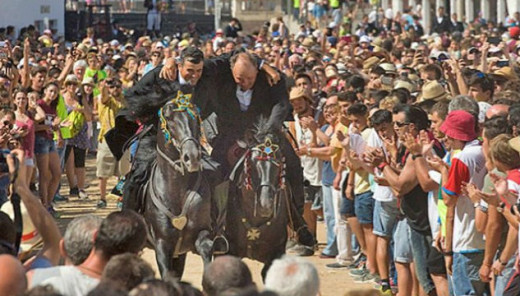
[[243, 96], [497, 109], [12, 276]]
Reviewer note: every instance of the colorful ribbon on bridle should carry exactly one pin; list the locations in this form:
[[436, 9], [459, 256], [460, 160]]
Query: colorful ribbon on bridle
[[183, 104]]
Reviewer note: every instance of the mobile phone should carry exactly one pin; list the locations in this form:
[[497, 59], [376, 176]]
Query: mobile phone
[[502, 63], [494, 40]]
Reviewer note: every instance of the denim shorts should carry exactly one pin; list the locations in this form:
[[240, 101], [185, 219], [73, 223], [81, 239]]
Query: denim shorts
[[346, 208], [465, 279], [42, 145], [402, 247], [364, 207], [385, 217]]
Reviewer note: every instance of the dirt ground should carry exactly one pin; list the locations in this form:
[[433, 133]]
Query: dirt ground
[[333, 282]]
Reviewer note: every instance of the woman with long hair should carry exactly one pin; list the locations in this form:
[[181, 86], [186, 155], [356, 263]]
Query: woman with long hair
[[87, 91], [25, 127], [47, 159]]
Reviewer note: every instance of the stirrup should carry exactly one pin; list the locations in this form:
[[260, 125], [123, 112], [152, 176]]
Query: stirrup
[[223, 242]]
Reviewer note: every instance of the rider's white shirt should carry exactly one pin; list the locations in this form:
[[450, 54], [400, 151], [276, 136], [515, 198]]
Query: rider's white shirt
[[182, 81], [244, 98]]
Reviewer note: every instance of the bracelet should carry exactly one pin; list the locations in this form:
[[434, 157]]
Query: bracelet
[[309, 151], [414, 156], [382, 166], [450, 253]]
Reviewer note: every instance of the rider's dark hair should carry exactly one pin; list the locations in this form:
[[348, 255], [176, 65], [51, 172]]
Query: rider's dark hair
[[191, 54], [380, 117], [121, 232]]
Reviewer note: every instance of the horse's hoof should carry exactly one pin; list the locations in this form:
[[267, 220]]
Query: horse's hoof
[[220, 245]]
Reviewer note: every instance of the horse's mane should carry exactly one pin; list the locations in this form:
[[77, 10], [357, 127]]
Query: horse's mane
[[262, 130], [146, 105]]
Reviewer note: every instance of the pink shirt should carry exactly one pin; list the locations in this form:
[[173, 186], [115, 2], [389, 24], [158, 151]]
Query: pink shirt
[[28, 140]]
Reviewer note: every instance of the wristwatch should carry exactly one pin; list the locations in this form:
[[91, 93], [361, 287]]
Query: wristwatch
[[450, 253], [414, 156], [309, 151]]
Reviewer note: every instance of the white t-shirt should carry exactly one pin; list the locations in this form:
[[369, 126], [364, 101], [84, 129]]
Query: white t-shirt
[[70, 281], [381, 193], [312, 166], [466, 166]]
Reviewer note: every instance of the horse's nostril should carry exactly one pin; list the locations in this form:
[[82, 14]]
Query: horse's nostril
[[186, 158]]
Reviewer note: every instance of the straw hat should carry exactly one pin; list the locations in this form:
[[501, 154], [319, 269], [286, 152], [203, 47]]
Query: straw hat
[[506, 73], [370, 63], [308, 42], [404, 84], [515, 143], [88, 81], [299, 93], [389, 68], [30, 236], [433, 90]]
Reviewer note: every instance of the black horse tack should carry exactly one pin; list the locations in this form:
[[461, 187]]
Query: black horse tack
[[177, 196], [257, 224]]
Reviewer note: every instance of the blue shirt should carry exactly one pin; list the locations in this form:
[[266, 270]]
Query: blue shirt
[[327, 174]]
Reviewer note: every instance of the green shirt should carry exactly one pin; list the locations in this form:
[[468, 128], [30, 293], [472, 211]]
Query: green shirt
[[97, 76]]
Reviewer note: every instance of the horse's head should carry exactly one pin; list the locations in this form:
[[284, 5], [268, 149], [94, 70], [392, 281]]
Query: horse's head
[[265, 170], [180, 125]]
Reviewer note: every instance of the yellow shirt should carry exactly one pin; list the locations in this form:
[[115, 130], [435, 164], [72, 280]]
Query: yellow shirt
[[336, 144], [107, 115], [361, 181]]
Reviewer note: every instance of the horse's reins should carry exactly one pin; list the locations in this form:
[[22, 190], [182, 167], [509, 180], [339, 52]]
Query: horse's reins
[[178, 164]]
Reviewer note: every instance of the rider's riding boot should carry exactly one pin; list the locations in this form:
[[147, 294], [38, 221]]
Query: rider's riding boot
[[220, 192]]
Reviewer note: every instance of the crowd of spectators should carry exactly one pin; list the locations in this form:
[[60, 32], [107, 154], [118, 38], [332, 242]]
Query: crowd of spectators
[[409, 144]]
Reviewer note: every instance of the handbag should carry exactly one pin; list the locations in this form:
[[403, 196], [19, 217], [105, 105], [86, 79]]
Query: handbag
[[72, 125]]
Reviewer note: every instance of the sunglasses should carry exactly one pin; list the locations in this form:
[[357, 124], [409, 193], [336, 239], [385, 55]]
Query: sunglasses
[[401, 124]]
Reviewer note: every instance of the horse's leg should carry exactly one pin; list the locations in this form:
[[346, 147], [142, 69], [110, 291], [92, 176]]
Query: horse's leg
[[163, 255], [178, 265], [204, 246]]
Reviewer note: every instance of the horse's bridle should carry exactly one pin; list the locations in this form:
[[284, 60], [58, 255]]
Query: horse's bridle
[[182, 106], [267, 152]]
